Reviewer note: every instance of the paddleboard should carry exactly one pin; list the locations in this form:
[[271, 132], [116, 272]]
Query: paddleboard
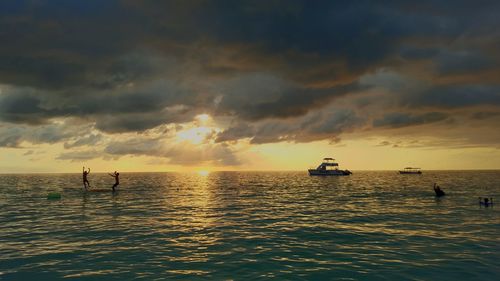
[[485, 204], [100, 190]]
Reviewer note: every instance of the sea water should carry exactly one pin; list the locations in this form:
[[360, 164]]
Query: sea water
[[251, 226]]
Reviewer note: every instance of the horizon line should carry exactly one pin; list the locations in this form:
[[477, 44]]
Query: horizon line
[[260, 171]]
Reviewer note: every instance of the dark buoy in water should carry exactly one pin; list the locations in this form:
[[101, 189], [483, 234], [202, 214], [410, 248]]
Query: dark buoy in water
[[439, 192], [485, 201], [53, 195]]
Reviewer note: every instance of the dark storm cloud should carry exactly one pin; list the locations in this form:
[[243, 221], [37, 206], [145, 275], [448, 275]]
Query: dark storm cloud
[[416, 53], [236, 132], [326, 124], [120, 123], [13, 136], [130, 109], [457, 96], [398, 120], [463, 62], [129, 66], [23, 106], [483, 115], [317, 126], [138, 122], [297, 102], [260, 96]]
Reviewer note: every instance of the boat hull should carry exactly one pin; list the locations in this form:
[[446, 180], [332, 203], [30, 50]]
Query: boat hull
[[314, 172], [406, 172]]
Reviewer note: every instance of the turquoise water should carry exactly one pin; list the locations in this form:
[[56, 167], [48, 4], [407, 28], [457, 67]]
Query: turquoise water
[[251, 226]]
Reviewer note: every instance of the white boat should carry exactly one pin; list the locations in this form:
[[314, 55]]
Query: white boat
[[410, 170], [328, 168]]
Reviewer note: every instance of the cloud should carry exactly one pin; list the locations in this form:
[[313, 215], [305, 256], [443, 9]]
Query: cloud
[[272, 71], [482, 115], [214, 154], [296, 102], [133, 108], [77, 156], [136, 146], [91, 139], [326, 124], [10, 140], [398, 120], [457, 96], [262, 96], [21, 105], [183, 153], [236, 132], [13, 136], [463, 62], [384, 143]]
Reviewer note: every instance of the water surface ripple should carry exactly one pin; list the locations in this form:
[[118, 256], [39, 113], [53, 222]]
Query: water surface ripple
[[251, 226]]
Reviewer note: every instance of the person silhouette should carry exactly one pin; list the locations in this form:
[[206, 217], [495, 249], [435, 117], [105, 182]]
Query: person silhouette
[[438, 191], [117, 179], [486, 202], [86, 183]]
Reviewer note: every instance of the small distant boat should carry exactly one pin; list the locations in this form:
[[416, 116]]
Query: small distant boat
[[328, 168], [410, 170]]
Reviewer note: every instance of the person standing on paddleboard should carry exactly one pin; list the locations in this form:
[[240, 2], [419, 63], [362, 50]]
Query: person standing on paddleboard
[[117, 179], [85, 180]]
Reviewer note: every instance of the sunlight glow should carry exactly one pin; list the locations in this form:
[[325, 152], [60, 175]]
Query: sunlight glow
[[200, 130], [203, 173], [203, 118], [194, 135]]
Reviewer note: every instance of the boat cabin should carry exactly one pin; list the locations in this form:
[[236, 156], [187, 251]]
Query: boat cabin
[[410, 170], [328, 164]]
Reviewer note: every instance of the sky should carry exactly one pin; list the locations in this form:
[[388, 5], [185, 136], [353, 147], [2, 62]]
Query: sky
[[248, 85]]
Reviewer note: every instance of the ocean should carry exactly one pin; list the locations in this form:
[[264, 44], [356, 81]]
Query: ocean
[[251, 226]]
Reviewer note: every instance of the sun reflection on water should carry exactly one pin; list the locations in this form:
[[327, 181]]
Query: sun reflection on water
[[203, 173]]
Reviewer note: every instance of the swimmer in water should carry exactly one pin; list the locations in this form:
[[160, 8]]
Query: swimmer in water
[[486, 202], [117, 179], [86, 183], [439, 192]]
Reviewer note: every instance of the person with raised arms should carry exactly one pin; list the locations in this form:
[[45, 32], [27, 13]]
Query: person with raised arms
[[117, 179], [86, 183]]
